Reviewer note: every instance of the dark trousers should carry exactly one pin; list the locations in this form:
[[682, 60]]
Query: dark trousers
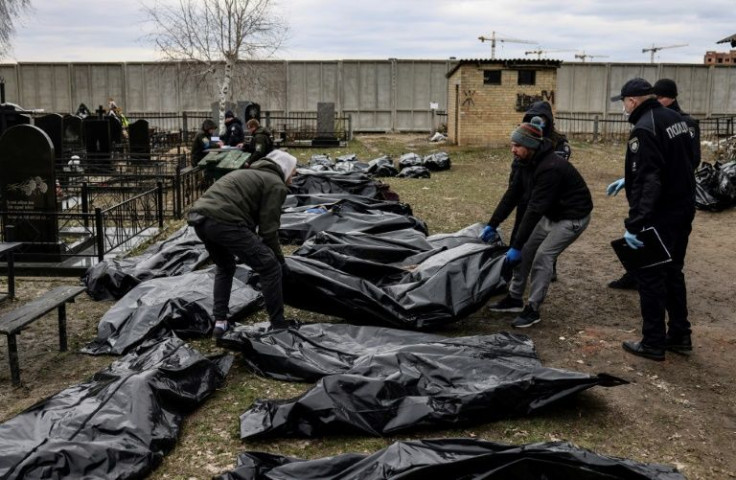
[[662, 288], [226, 242]]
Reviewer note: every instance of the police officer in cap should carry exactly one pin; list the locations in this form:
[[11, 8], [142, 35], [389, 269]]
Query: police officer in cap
[[660, 189]]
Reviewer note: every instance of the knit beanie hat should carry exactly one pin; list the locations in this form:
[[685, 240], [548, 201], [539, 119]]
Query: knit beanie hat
[[665, 88], [286, 161], [229, 114], [530, 134]]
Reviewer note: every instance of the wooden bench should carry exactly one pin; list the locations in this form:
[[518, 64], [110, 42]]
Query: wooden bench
[[11, 323]]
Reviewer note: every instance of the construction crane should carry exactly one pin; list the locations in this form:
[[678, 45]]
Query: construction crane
[[493, 39], [654, 49], [582, 56], [539, 52]]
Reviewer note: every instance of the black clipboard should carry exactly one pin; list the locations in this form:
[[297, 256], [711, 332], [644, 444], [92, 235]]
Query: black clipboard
[[654, 252]]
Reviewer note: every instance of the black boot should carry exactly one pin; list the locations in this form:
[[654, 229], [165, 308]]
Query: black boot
[[626, 282], [682, 345], [641, 350]]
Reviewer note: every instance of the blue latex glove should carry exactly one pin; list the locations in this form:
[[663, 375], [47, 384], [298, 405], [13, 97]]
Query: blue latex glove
[[316, 210], [615, 187], [513, 256], [632, 241], [488, 234]]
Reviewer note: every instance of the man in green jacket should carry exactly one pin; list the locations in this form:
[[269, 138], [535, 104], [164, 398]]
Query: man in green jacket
[[260, 143], [226, 219]]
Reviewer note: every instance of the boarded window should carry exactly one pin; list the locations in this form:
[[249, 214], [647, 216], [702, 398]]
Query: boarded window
[[491, 77], [527, 77]]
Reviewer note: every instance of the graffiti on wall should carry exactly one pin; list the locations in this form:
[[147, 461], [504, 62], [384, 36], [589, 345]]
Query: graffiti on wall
[[524, 101], [468, 100]]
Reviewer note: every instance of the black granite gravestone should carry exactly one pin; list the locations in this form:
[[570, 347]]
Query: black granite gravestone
[[325, 126], [53, 126], [28, 190], [140, 140], [116, 129], [72, 139], [96, 132], [10, 116]]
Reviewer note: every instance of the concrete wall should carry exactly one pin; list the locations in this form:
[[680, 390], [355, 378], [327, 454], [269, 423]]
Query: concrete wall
[[380, 95]]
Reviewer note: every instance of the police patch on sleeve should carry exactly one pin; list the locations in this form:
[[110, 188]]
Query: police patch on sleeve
[[634, 145]]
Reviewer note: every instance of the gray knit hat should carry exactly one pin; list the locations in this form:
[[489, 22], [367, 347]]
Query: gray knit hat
[[530, 134]]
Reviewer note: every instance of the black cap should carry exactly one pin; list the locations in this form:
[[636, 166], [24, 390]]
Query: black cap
[[229, 114], [636, 87], [665, 88]]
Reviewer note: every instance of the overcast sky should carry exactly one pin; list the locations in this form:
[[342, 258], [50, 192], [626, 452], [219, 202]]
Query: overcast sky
[[615, 31]]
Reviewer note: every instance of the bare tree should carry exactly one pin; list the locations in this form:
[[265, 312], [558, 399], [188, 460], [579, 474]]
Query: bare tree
[[207, 34], [9, 12]]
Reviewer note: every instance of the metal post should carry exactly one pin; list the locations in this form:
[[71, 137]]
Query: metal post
[[10, 236], [13, 359], [595, 128], [185, 126], [85, 204], [178, 207], [100, 229], [160, 195], [62, 327]]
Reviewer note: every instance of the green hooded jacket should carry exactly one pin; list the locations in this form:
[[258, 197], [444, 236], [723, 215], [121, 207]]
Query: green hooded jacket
[[252, 198]]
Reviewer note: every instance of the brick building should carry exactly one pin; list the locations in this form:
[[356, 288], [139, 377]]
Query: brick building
[[720, 58], [487, 98]]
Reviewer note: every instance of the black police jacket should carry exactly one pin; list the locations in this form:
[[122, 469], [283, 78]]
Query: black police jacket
[[660, 184], [554, 187], [234, 133], [694, 127]]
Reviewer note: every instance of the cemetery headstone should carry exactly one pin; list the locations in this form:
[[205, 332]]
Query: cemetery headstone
[[10, 116], [72, 139], [325, 126], [140, 140], [116, 129], [28, 190], [96, 133], [53, 126]]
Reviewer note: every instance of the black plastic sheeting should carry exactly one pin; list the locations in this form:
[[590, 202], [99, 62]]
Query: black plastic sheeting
[[181, 253], [163, 306], [414, 172], [117, 425], [715, 186], [294, 202], [357, 183], [299, 224], [453, 459], [382, 167], [438, 383], [402, 278]]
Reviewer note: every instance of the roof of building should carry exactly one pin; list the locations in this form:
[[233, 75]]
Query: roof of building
[[506, 63]]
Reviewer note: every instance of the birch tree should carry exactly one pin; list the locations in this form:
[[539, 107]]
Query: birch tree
[[205, 34], [10, 10]]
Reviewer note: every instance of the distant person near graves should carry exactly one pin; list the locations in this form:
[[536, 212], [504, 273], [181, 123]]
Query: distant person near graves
[[666, 92], [226, 219], [558, 211], [203, 141], [117, 112], [660, 190], [261, 143], [82, 111], [234, 134]]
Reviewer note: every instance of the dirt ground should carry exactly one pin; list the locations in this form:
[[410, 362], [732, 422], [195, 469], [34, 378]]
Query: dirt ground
[[681, 411]]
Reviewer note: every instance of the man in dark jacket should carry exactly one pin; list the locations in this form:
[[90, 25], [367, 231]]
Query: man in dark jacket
[[260, 142], [660, 189], [234, 134], [666, 92], [226, 219], [203, 141], [557, 213], [560, 145]]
